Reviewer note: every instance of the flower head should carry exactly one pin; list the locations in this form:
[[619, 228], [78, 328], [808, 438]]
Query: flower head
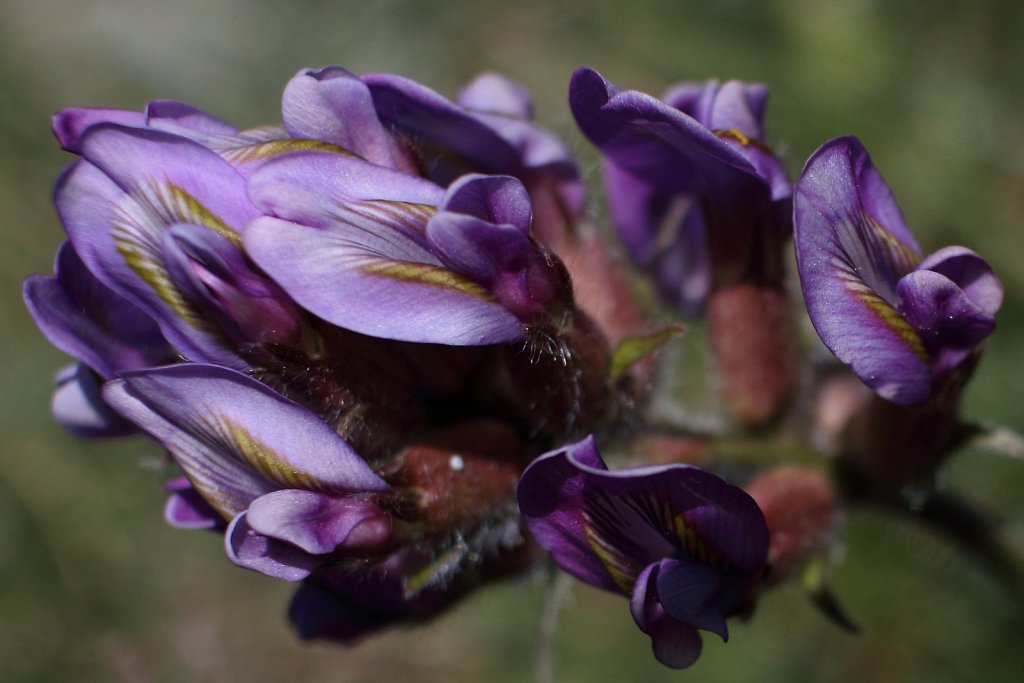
[[688, 548], [902, 321]]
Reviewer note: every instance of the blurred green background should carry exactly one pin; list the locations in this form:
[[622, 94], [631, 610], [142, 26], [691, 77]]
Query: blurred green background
[[94, 586]]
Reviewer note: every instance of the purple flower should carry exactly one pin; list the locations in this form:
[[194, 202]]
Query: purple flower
[[700, 201], [392, 255], [686, 547], [903, 322], [693, 191], [295, 493]]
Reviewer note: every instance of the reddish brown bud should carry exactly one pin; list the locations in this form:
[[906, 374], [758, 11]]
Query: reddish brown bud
[[752, 334], [799, 506]]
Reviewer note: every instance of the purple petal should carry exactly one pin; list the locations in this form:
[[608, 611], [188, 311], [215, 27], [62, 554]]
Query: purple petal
[[689, 591], [971, 273], [86, 319], [451, 140], [850, 260], [187, 509], [276, 559], [78, 406], [675, 644], [363, 263], [591, 519], [494, 94], [333, 105], [502, 200], [69, 124], [178, 117], [320, 524], [948, 321], [738, 106], [654, 141], [235, 438]]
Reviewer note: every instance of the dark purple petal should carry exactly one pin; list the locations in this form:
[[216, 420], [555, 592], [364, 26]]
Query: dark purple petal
[[689, 592], [78, 406], [235, 438], [675, 644], [333, 105], [664, 232], [320, 524], [971, 273], [591, 519], [213, 276], [276, 559], [949, 323], [86, 319], [654, 141], [852, 248], [450, 141], [187, 509]]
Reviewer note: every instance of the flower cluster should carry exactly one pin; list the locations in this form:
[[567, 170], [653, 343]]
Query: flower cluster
[[381, 341]]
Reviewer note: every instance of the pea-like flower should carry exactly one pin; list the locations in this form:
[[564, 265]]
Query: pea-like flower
[[902, 321], [686, 547]]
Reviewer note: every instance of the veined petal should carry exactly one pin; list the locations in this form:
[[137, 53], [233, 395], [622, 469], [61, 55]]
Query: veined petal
[[235, 438], [591, 519], [277, 559], [852, 247], [319, 523]]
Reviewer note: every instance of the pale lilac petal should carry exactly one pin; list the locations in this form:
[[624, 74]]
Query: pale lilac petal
[[333, 105], [187, 509], [235, 438], [495, 94], [78, 406], [276, 559], [178, 117], [850, 263], [69, 124], [320, 524]]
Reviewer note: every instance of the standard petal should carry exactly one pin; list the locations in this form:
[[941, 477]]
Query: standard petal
[[321, 524], [235, 438], [654, 141], [333, 105], [850, 262], [276, 559]]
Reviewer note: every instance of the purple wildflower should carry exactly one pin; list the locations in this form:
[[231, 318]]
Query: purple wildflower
[[686, 547], [903, 322]]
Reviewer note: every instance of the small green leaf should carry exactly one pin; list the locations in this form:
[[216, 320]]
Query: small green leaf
[[632, 350]]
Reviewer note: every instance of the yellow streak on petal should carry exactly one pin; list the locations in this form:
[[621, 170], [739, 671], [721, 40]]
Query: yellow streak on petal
[[265, 460], [426, 274], [187, 209], [893, 320], [273, 148], [608, 557]]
